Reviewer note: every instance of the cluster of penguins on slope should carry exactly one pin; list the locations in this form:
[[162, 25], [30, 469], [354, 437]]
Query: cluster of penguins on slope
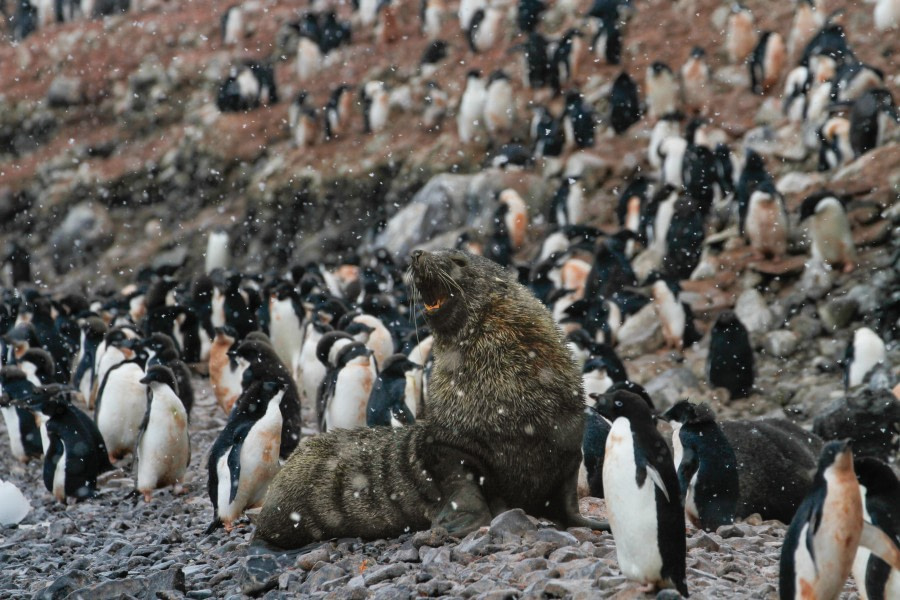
[[25, 17]]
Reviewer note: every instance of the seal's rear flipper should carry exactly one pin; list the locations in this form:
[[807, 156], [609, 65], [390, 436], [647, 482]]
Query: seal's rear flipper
[[568, 498], [464, 511]]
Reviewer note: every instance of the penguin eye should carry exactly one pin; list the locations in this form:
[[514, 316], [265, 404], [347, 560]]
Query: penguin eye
[[618, 404]]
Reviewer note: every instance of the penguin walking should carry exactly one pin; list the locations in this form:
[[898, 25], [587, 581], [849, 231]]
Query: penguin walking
[[825, 533], [344, 394], [163, 447], [469, 117], [76, 454], [880, 489], [829, 230], [729, 363], [244, 457], [396, 393], [864, 352], [706, 464], [642, 495]]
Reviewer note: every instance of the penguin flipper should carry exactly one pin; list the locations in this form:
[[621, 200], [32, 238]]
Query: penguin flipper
[[880, 544], [51, 458], [657, 480], [234, 466], [689, 465]]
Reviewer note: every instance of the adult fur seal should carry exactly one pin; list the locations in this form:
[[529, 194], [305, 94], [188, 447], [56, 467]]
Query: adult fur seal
[[504, 429]]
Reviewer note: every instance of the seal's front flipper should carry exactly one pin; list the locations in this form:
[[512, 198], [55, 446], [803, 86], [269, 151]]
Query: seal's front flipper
[[464, 511], [572, 514]]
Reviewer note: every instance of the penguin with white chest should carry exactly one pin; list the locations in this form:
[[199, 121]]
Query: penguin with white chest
[[880, 490], [823, 538], [643, 499], [21, 424], [344, 393], [121, 405], [224, 371], [163, 448], [93, 330], [863, 354], [244, 458]]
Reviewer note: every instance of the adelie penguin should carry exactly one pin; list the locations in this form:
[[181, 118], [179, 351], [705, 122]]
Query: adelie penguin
[[865, 351], [161, 350], [344, 393], [568, 203], [767, 62], [21, 423], [625, 105], [304, 122], [579, 121], [831, 240], [706, 465], [376, 106], [225, 373], [499, 106], [371, 332], [740, 36], [484, 29], [642, 494], [163, 448], [823, 538], [675, 315], [695, 80], [869, 119], [338, 112], [767, 225], [121, 405], [76, 454], [396, 394], [729, 363], [662, 90], [93, 330], [471, 108], [232, 25], [244, 457], [880, 489]]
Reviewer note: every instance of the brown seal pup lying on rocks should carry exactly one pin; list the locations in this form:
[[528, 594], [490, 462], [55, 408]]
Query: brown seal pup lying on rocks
[[504, 427]]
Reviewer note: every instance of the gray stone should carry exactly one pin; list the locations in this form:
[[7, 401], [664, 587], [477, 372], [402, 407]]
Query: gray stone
[[308, 561], [64, 585], [781, 343], [405, 553], [668, 595], [510, 526], [200, 594], [86, 230], [837, 313], [795, 182], [65, 91], [867, 297], [432, 537], [870, 418], [729, 531], [702, 541], [816, 280], [430, 555], [476, 542], [501, 594], [573, 589], [805, 327], [258, 574], [552, 536], [754, 313], [142, 587], [671, 386], [640, 334], [434, 588], [383, 573]]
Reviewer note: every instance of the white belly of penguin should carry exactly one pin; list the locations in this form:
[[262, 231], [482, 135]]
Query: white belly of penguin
[[218, 309], [122, 408], [259, 464], [631, 509], [11, 417], [164, 448], [347, 409], [284, 329], [59, 478], [311, 370]]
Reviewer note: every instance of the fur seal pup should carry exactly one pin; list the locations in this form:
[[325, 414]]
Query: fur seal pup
[[504, 427]]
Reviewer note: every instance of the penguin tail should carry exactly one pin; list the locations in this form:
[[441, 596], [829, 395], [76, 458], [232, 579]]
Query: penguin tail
[[216, 523]]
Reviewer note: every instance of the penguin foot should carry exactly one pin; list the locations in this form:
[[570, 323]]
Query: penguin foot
[[178, 489], [216, 523], [148, 497]]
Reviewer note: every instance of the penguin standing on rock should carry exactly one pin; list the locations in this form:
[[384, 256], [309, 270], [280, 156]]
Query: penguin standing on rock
[[568, 204], [675, 315], [163, 448], [303, 121], [396, 393], [643, 498], [121, 405], [868, 119], [864, 352], [469, 118], [695, 80], [338, 112], [740, 36], [344, 394], [225, 373], [76, 454], [767, 224], [93, 330], [579, 121], [21, 424], [244, 458], [823, 538], [232, 25], [499, 106], [729, 363], [767, 62], [376, 106], [662, 90]]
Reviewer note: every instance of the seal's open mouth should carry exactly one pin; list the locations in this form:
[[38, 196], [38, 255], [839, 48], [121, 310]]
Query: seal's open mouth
[[437, 304]]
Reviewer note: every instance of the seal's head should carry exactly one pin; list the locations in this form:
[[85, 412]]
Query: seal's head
[[454, 286]]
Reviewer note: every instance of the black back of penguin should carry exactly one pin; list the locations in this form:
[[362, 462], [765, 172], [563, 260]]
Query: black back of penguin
[[387, 402], [626, 106], [706, 463], [165, 353], [729, 363]]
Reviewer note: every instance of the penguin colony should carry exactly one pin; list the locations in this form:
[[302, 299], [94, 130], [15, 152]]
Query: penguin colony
[[89, 379]]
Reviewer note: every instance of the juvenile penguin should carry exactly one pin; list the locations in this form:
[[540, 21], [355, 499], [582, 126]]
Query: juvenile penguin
[[396, 393], [880, 489], [76, 453], [706, 465], [829, 229], [163, 448], [642, 495], [823, 538], [729, 363], [863, 353], [767, 224], [244, 457], [457, 468]]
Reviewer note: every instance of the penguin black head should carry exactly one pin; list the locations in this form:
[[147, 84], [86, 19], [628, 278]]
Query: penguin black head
[[659, 67], [434, 53], [350, 352], [397, 365], [355, 328], [43, 363], [51, 400], [634, 388], [323, 349], [473, 74], [160, 374], [162, 346], [837, 455], [686, 412], [621, 403], [877, 477], [809, 205], [698, 52], [94, 328], [14, 383], [498, 75]]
